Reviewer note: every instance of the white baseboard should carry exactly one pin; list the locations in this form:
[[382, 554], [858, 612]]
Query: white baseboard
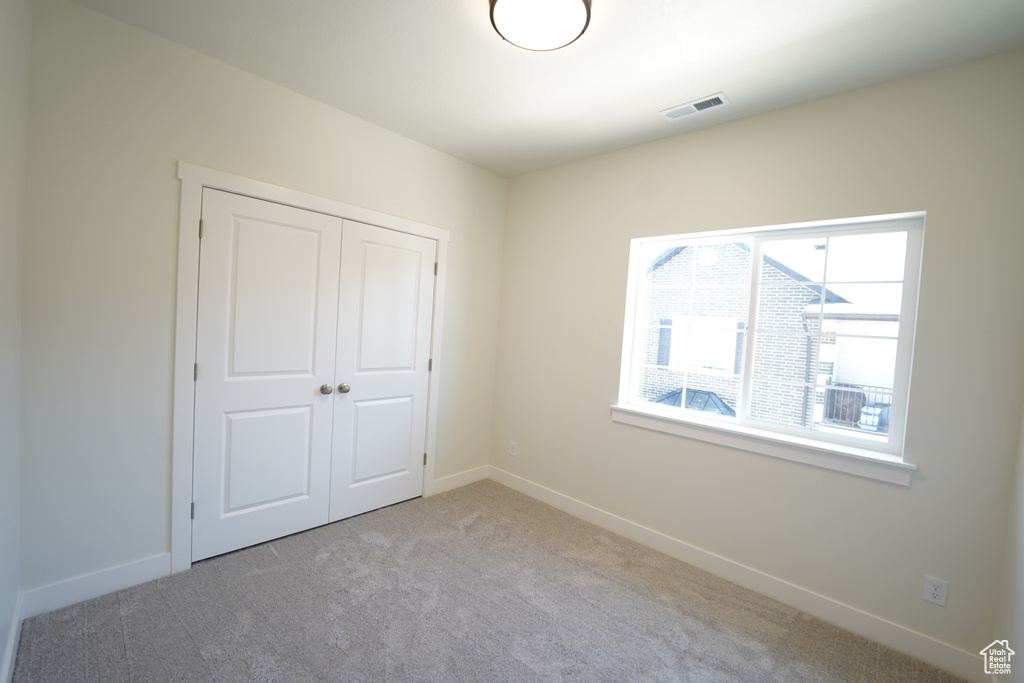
[[455, 481], [11, 646], [64, 593], [880, 630]]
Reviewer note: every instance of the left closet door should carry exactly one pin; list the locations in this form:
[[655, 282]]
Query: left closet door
[[265, 351]]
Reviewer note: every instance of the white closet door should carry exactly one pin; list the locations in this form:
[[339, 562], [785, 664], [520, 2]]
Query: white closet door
[[267, 320], [386, 302]]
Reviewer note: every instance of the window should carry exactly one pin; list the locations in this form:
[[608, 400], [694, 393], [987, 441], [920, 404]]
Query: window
[[793, 341]]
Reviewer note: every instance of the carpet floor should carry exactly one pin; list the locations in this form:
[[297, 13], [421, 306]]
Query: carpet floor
[[478, 584]]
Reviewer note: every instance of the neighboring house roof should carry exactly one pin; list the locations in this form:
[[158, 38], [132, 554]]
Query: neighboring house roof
[[665, 257], [830, 296], [697, 399]]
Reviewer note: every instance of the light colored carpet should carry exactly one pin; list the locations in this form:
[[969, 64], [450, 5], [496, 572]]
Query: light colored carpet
[[479, 584]]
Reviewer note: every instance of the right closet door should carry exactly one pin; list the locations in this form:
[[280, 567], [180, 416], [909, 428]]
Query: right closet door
[[385, 308]]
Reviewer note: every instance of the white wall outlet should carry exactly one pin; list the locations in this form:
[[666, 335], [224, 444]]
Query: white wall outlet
[[935, 590], [512, 448]]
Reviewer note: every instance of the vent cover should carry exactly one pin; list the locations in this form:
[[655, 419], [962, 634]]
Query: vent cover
[[703, 104]]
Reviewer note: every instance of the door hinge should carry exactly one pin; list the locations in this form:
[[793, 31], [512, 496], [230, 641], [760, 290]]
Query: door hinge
[[193, 511], [435, 268], [200, 229], [430, 364], [424, 458], [195, 372]]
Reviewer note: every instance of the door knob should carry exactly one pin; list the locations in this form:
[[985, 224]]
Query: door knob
[[326, 388], [344, 388]]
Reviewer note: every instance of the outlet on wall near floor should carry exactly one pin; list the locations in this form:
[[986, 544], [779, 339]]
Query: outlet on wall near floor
[[935, 590], [512, 448]]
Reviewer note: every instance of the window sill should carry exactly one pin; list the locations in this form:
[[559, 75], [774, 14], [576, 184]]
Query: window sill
[[841, 458]]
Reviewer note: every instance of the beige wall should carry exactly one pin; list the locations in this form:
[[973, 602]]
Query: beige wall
[[910, 145], [112, 111], [15, 30]]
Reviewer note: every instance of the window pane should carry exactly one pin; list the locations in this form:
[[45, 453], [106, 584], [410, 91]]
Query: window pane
[[706, 343], [694, 302], [658, 382], [791, 405], [853, 410], [722, 262], [724, 300], [825, 349], [653, 254], [789, 283], [786, 306], [863, 302], [785, 358], [701, 264], [667, 302], [872, 257], [708, 393], [801, 259], [864, 361], [652, 340]]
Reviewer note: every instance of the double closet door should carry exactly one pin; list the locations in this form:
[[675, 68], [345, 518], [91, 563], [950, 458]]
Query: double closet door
[[312, 350]]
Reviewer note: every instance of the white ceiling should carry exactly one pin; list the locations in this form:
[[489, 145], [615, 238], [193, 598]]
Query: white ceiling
[[435, 70]]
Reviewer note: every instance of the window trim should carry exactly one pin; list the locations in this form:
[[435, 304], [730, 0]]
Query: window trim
[[884, 462]]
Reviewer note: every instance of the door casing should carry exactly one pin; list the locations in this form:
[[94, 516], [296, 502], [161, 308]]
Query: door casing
[[193, 179]]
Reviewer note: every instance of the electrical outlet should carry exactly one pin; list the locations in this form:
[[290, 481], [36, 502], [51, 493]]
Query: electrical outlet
[[935, 590], [512, 448]]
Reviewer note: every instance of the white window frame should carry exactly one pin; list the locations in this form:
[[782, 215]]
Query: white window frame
[[860, 456]]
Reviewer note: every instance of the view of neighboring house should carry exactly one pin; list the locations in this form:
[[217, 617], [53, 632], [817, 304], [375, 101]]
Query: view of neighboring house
[[821, 359]]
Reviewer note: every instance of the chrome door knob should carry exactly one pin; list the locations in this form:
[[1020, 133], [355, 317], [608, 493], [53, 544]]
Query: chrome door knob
[[326, 388], [344, 388]]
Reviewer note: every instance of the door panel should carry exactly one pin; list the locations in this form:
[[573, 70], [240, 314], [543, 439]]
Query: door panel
[[391, 284], [383, 432], [267, 321], [386, 296], [274, 300], [267, 457]]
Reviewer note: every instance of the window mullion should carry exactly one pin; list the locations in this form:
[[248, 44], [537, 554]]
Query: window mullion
[[905, 339], [822, 297], [747, 379], [689, 322]]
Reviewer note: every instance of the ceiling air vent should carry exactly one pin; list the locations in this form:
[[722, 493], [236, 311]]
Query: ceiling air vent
[[704, 103]]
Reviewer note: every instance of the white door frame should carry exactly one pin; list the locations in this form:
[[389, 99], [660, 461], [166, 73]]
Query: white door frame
[[193, 180]]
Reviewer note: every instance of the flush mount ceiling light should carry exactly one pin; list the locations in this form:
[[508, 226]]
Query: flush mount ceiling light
[[540, 24]]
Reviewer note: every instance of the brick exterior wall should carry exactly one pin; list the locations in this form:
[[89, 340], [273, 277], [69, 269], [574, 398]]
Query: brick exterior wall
[[714, 281], [680, 287], [786, 352]]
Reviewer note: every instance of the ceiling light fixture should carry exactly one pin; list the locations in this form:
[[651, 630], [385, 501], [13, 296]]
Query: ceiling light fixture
[[540, 24]]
